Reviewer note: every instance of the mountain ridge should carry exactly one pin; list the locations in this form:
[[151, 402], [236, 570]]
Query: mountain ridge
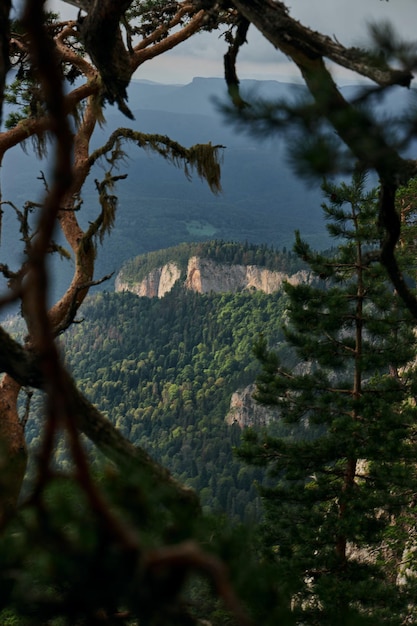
[[207, 276], [213, 267]]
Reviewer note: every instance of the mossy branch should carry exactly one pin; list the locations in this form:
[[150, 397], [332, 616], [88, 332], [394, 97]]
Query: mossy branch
[[202, 158]]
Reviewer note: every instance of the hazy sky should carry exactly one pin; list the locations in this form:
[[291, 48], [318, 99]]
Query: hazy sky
[[202, 55]]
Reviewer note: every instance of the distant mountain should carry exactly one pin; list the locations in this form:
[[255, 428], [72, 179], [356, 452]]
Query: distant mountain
[[202, 95]]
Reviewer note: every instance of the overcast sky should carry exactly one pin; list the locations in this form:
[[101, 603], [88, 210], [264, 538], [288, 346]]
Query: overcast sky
[[202, 55]]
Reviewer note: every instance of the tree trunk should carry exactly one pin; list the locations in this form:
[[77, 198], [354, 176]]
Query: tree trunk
[[13, 453]]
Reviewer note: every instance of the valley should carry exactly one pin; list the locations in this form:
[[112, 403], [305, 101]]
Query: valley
[[262, 200], [164, 369]]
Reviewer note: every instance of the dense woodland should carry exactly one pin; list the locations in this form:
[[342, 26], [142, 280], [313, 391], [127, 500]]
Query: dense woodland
[[174, 363]]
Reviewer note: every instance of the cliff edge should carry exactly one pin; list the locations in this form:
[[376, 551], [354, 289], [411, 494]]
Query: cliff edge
[[207, 276]]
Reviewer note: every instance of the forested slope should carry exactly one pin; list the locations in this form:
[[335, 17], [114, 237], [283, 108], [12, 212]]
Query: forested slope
[[164, 371]]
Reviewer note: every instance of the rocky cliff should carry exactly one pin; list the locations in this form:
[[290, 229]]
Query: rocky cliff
[[245, 411], [206, 276], [155, 285]]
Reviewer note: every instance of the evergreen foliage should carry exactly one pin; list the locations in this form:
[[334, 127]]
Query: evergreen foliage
[[334, 516]]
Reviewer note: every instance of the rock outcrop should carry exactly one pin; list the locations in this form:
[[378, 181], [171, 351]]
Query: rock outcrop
[[155, 285], [207, 276], [245, 411]]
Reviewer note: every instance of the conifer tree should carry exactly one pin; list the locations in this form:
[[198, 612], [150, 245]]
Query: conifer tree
[[342, 478]]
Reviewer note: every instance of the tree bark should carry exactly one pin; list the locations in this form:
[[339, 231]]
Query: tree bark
[[13, 452], [291, 37]]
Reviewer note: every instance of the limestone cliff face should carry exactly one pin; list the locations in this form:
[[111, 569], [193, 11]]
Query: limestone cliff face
[[245, 411], [206, 276], [156, 284]]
